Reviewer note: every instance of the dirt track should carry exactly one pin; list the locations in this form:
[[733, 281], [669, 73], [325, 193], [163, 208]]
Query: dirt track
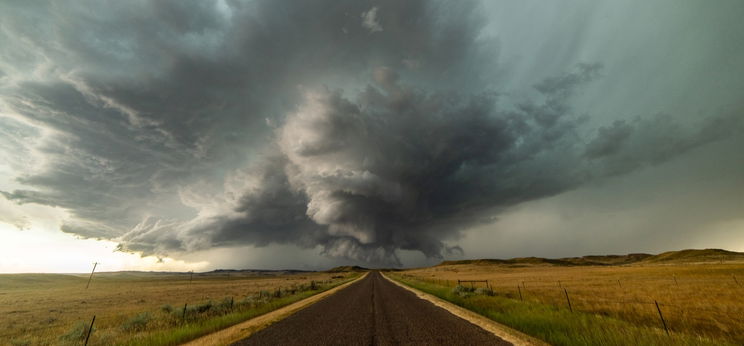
[[373, 311]]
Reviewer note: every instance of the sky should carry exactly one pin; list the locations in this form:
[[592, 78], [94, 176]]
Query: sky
[[197, 135]]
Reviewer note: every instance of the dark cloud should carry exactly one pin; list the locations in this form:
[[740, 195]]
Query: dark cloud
[[400, 168], [359, 127], [609, 139], [625, 146]]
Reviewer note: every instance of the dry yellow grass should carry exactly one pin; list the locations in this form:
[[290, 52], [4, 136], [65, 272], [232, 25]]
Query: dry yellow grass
[[39, 308], [702, 299]]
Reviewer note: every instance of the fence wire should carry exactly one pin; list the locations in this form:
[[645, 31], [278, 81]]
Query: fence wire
[[538, 293]]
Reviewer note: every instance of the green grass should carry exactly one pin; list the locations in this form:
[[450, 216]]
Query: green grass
[[557, 325]]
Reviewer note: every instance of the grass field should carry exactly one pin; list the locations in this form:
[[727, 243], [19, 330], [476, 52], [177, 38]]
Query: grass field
[[700, 301], [142, 308]]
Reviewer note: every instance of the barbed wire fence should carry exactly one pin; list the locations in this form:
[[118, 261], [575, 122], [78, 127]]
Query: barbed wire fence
[[559, 293], [260, 292]]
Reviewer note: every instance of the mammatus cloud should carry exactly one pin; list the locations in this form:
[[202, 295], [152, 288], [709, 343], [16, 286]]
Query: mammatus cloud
[[179, 126]]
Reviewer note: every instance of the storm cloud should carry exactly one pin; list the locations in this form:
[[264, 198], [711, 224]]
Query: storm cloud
[[362, 128]]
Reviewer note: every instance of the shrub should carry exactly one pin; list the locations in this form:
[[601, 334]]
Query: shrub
[[463, 291], [136, 323], [202, 308], [225, 305], [484, 291], [167, 308], [248, 301], [259, 300], [77, 333]]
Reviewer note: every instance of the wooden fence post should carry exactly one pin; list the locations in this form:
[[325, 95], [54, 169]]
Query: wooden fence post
[[90, 329], [91, 274], [183, 316], [520, 293], [661, 317], [568, 300]]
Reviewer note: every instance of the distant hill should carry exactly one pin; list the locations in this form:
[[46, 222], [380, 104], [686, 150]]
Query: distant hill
[[691, 255], [513, 261], [8, 281], [682, 256], [255, 271], [608, 259], [347, 269]]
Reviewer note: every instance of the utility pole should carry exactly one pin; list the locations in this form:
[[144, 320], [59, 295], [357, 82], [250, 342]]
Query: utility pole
[[95, 264]]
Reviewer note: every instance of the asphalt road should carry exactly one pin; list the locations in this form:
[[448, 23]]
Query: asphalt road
[[373, 311]]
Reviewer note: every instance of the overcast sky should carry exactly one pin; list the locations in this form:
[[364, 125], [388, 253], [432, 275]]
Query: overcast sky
[[180, 135]]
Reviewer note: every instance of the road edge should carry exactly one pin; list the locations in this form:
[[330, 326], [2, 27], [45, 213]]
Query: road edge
[[513, 336], [247, 328]]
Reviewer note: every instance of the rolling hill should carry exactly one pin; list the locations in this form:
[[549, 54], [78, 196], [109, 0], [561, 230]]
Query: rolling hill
[[347, 269], [681, 256]]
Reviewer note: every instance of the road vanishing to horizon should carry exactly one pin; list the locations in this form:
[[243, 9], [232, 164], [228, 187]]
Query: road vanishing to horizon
[[580, 158], [373, 311]]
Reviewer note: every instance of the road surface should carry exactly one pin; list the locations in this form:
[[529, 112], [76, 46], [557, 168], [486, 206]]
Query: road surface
[[373, 311]]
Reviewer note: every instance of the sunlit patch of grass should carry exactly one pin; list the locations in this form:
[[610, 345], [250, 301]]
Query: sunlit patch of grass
[[702, 298], [142, 309], [556, 324]]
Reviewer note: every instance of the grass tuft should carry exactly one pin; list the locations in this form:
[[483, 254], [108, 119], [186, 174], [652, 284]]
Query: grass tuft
[[137, 323], [167, 308], [76, 334]]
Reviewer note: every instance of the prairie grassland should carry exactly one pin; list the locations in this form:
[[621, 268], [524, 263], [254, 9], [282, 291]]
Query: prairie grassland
[[141, 308], [701, 303]]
